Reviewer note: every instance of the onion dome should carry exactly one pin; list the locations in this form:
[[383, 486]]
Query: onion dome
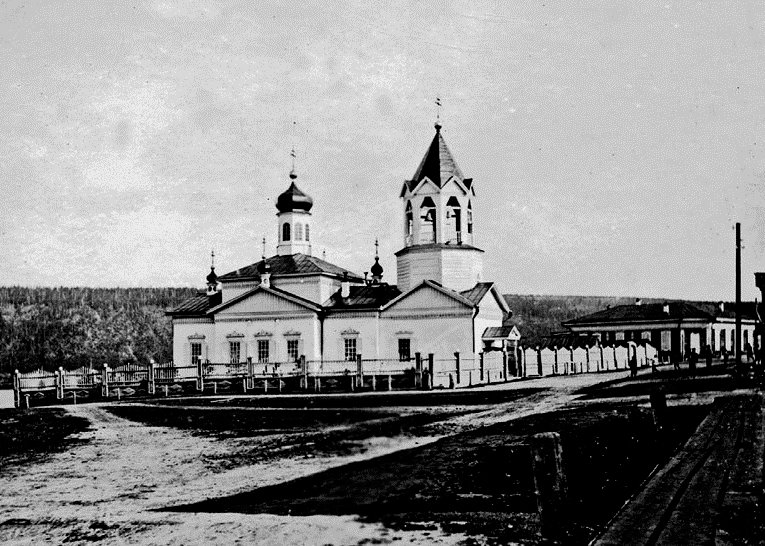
[[293, 199], [212, 278], [376, 269]]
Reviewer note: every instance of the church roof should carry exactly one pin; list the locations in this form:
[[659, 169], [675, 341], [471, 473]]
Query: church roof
[[196, 305], [477, 293], [293, 264], [497, 332], [293, 198], [438, 165], [372, 296]]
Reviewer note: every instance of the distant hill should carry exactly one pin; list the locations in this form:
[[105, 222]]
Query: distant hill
[[72, 327]]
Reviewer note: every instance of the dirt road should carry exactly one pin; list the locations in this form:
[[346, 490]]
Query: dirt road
[[107, 486]]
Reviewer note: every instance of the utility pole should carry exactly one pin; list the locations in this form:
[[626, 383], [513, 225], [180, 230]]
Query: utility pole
[[738, 298]]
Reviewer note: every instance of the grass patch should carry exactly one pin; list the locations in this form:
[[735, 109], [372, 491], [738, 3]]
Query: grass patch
[[41, 430]]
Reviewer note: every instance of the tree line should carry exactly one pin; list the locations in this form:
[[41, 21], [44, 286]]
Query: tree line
[[72, 327]]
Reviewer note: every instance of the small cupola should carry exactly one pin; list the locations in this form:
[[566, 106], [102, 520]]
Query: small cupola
[[376, 270], [294, 216], [212, 278]]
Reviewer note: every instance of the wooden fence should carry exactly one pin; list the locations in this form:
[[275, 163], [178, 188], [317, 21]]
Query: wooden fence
[[421, 372]]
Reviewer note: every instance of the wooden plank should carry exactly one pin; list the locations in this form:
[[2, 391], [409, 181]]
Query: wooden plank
[[740, 516], [642, 518], [694, 518]]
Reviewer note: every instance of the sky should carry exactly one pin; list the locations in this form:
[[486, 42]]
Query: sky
[[613, 145]]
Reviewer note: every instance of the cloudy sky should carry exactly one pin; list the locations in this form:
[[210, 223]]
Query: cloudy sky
[[613, 144]]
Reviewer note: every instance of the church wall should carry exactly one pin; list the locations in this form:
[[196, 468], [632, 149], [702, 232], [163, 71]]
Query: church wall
[[461, 269], [234, 289], [203, 331], [303, 327], [489, 314], [364, 326], [442, 336], [316, 288], [415, 267]]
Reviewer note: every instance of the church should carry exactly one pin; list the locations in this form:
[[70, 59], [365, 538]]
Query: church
[[295, 306]]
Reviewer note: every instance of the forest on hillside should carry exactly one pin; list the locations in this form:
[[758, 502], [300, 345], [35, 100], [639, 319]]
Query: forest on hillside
[[73, 327]]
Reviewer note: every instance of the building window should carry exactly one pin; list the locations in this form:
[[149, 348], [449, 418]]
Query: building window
[[307, 232], [409, 219], [298, 232], [666, 340], [646, 334], [469, 218], [722, 340], [234, 352], [263, 352], [196, 353], [349, 348], [404, 350], [746, 337], [293, 349], [453, 220], [286, 232]]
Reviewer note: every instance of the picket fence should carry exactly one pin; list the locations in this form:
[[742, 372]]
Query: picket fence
[[421, 372]]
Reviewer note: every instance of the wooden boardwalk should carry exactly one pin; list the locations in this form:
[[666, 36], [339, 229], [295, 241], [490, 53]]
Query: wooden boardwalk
[[710, 492]]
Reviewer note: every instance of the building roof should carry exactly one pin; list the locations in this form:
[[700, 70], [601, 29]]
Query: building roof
[[294, 264], [196, 305], [497, 332], [641, 313], [477, 293], [371, 296], [728, 309], [438, 165]]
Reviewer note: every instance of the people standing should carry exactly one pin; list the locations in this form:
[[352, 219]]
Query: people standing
[[708, 355], [693, 360]]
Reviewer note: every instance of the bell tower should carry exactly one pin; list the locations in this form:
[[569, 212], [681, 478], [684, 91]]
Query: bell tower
[[438, 205], [294, 216]]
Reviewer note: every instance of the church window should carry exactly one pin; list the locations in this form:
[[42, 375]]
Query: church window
[[234, 352], [470, 218], [453, 220], [404, 349], [298, 232], [196, 353], [307, 232], [286, 232], [428, 221], [722, 340], [349, 348], [263, 352], [409, 221], [293, 349]]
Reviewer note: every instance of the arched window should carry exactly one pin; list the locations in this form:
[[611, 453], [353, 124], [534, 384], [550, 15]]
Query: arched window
[[409, 218], [453, 221], [428, 221], [307, 232], [298, 232], [286, 231]]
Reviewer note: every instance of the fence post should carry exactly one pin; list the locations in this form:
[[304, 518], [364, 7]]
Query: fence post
[[249, 374], [360, 370], [166, 391], [539, 361], [457, 362], [601, 366], [374, 382], [318, 383], [616, 363], [587, 349], [152, 386], [105, 380], [431, 371], [504, 364], [417, 370], [16, 389], [304, 368], [200, 376], [390, 383], [549, 483], [26, 401], [480, 363]]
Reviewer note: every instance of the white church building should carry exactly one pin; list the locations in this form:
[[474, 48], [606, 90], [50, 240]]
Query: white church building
[[294, 305]]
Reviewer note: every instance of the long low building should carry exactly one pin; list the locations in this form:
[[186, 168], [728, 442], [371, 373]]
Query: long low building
[[672, 327]]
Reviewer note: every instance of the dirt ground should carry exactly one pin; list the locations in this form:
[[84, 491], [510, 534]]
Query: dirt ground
[[117, 480]]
